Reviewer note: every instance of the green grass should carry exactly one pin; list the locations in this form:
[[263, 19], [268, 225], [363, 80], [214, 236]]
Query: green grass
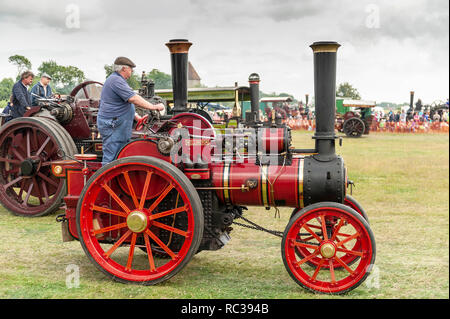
[[401, 180]]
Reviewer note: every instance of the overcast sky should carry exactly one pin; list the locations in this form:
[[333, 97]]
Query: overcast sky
[[388, 47]]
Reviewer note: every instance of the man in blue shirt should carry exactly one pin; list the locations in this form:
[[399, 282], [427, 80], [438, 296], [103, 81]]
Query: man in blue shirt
[[21, 98], [42, 89], [117, 111]]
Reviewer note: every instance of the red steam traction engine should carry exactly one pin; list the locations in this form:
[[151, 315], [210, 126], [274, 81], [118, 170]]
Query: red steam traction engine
[[177, 189]]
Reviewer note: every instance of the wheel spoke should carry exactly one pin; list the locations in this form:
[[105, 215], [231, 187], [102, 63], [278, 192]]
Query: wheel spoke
[[39, 191], [336, 230], [118, 243], [44, 188], [28, 144], [28, 193], [131, 189], [333, 277], [167, 213], [22, 185], [351, 252], [340, 243], [312, 233], [18, 155], [9, 160], [131, 253], [296, 243], [12, 182], [48, 179], [317, 269], [43, 146], [324, 228], [116, 198], [108, 210], [151, 261], [145, 189], [161, 244], [161, 197], [343, 264], [314, 254], [109, 228], [171, 229]]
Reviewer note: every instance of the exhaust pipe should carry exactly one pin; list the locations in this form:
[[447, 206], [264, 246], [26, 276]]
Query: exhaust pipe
[[411, 101], [325, 98], [179, 49], [253, 117]]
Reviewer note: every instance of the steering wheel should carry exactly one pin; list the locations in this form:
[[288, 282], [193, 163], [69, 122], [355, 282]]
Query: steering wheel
[[140, 124]]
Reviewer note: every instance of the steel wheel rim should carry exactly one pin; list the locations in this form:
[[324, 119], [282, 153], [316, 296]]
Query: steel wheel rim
[[107, 263], [40, 146], [329, 281]]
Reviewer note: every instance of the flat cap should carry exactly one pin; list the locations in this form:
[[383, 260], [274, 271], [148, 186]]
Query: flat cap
[[45, 75], [124, 61]]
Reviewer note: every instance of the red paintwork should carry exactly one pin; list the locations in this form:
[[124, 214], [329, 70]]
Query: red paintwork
[[283, 181], [141, 147], [273, 140]]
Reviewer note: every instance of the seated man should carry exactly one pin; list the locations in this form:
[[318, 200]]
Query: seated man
[[21, 99], [42, 89], [7, 111]]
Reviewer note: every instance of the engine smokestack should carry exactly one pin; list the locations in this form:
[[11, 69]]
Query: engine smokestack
[[411, 101], [253, 81], [325, 98], [179, 49]]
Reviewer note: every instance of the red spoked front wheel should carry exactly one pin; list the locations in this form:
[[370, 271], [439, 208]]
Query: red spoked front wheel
[[160, 211], [330, 225], [328, 248]]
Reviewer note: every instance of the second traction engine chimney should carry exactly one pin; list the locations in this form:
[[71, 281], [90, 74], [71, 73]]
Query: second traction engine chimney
[[253, 81], [325, 98], [411, 101], [179, 49]]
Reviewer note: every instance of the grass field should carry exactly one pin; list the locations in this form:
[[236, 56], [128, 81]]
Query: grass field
[[402, 181]]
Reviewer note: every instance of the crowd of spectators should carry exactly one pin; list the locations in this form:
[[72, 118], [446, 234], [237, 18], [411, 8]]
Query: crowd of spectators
[[411, 121]]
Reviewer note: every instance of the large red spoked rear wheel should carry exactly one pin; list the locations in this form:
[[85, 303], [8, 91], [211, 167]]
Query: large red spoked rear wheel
[[112, 223], [329, 248], [27, 148]]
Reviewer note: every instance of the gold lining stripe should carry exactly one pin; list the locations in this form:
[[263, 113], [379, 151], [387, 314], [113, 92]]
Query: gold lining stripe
[[264, 185], [300, 182], [226, 174]]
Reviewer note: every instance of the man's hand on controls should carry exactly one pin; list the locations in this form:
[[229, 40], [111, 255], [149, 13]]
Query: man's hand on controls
[[141, 102]]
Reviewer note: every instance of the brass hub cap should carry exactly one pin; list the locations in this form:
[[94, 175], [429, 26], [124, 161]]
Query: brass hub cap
[[327, 250], [137, 221]]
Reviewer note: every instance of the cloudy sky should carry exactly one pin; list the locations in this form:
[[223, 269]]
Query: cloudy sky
[[388, 47]]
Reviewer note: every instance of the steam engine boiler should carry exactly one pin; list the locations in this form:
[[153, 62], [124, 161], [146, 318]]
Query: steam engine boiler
[[179, 186]]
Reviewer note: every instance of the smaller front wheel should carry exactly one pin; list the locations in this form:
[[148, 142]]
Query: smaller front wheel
[[328, 248]]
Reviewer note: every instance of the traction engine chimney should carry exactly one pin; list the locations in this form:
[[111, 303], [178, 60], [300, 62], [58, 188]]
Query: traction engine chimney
[[179, 49], [253, 81], [325, 98], [411, 101]]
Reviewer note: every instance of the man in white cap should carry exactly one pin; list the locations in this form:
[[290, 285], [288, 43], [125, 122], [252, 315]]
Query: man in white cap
[[42, 89]]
